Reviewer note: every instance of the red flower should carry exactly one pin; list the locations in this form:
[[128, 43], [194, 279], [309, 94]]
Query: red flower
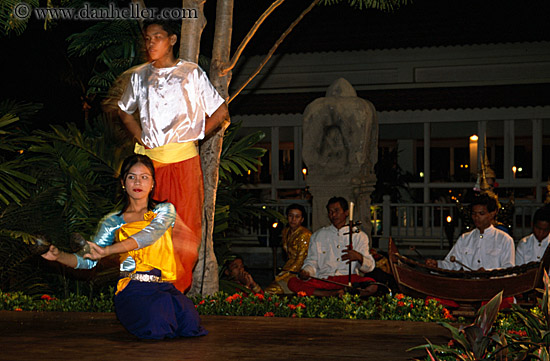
[[451, 343], [293, 315], [260, 296], [46, 297], [291, 306], [302, 294], [269, 314], [300, 305], [399, 296], [234, 297], [412, 306], [202, 302], [520, 333], [18, 309], [447, 314], [276, 304], [400, 303]]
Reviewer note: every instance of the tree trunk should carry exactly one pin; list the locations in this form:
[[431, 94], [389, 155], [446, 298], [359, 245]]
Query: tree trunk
[[205, 275]]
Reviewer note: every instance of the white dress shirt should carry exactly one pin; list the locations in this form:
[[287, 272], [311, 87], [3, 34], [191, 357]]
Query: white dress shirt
[[491, 250], [324, 258], [530, 249]]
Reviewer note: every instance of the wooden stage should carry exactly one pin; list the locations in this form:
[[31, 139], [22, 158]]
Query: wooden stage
[[98, 336]]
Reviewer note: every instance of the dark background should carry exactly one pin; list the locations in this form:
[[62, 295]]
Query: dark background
[[37, 69]]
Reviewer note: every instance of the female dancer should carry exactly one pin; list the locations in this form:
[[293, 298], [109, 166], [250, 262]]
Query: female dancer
[[146, 302]]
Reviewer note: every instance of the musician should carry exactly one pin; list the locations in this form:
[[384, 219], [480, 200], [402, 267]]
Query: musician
[[295, 243], [482, 249], [329, 256], [531, 248], [485, 247]]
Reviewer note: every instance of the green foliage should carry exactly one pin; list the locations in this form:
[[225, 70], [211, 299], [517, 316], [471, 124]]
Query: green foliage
[[116, 45], [400, 307], [65, 184], [12, 170], [17, 301], [519, 334], [534, 340], [234, 205], [239, 156], [9, 23], [478, 341], [384, 5]]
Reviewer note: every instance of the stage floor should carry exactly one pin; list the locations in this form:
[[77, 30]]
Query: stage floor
[[99, 336]]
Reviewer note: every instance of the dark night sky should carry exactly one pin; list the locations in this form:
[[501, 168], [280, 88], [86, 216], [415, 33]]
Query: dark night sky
[[36, 68]]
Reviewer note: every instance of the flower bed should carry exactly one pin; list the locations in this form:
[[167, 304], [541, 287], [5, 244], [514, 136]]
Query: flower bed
[[399, 307]]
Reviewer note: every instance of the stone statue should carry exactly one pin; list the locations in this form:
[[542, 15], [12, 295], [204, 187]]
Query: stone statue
[[340, 149]]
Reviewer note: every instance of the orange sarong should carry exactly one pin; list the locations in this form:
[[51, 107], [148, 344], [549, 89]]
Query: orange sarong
[[181, 184]]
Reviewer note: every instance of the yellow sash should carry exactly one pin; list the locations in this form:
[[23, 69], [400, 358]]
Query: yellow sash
[[159, 255], [169, 153]]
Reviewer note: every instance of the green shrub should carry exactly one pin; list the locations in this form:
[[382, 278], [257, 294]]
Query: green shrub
[[17, 301], [399, 307]]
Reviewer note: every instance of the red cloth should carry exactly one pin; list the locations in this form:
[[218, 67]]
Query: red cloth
[[297, 285], [182, 185], [506, 302]]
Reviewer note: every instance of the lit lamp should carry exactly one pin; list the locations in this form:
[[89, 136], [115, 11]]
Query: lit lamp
[[304, 172], [514, 170], [449, 230], [274, 243], [473, 154]]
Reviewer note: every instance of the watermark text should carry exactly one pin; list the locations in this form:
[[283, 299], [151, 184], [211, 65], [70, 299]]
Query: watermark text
[[23, 11]]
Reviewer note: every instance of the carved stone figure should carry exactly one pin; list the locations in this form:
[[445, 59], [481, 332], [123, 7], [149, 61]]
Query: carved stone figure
[[340, 149]]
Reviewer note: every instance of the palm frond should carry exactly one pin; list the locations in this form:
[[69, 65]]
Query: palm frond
[[383, 5], [239, 156], [14, 15]]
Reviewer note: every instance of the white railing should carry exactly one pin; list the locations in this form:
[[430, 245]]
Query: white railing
[[426, 223], [419, 224]]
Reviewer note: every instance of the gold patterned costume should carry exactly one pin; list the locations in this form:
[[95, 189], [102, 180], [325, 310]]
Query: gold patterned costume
[[296, 245]]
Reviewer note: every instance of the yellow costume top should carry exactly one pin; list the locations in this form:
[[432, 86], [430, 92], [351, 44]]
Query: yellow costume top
[[296, 245], [159, 255]]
